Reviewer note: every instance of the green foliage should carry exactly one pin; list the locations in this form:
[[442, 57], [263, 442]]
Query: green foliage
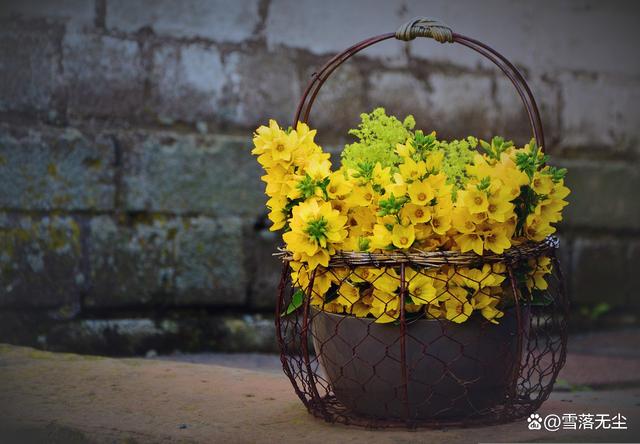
[[296, 302], [364, 243], [424, 144], [391, 206], [525, 205], [531, 159], [308, 186], [377, 136], [557, 174], [457, 155], [484, 184], [595, 313], [497, 146]]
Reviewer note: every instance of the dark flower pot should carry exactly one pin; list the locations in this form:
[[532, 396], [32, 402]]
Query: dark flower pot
[[453, 370]]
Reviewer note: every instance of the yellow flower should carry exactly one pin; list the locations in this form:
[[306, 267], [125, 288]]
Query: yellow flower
[[420, 193], [441, 222], [468, 242], [411, 171], [539, 268], [360, 309], [385, 306], [403, 237], [475, 201], [381, 176], [340, 205], [318, 168], [266, 138], [314, 230], [496, 239], [361, 196], [487, 303], [461, 220], [361, 221], [434, 311], [338, 186], [476, 278], [479, 218], [499, 208], [541, 183], [405, 150], [388, 281], [301, 277], [277, 215], [362, 274], [398, 187], [423, 232], [421, 287], [348, 294], [434, 160], [458, 308], [381, 238], [415, 213], [537, 228], [559, 191]]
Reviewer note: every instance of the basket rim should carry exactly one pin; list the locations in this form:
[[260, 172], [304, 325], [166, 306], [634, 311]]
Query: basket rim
[[433, 259]]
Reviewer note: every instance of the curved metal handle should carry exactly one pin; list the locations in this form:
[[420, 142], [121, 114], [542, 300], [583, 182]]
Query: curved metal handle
[[423, 27]]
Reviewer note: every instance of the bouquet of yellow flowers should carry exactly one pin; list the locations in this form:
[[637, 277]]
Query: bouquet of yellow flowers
[[403, 190]]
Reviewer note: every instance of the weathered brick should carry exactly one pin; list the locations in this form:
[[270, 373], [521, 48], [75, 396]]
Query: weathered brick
[[29, 67], [158, 261], [601, 113], [341, 100], [633, 279], [564, 33], [564, 254], [401, 94], [217, 20], [104, 75], [74, 12], [44, 168], [490, 29], [262, 86], [263, 269], [544, 39], [454, 106], [131, 264], [600, 272], [509, 115], [187, 82], [602, 195], [209, 262], [40, 261], [191, 173], [331, 26]]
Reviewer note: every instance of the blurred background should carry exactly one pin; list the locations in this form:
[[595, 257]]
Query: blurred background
[[132, 215]]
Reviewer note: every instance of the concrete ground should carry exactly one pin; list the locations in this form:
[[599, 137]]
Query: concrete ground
[[65, 398]]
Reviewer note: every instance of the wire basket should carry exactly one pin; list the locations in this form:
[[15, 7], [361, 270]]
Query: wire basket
[[415, 369]]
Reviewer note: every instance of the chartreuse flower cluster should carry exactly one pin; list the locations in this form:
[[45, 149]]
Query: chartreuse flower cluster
[[400, 189]]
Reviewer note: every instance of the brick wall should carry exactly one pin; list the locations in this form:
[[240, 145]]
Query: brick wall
[[126, 178]]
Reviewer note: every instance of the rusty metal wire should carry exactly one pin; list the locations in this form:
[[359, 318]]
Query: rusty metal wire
[[420, 370], [423, 369], [433, 259]]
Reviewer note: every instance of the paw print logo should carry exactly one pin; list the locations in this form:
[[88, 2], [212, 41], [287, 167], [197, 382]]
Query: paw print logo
[[535, 422]]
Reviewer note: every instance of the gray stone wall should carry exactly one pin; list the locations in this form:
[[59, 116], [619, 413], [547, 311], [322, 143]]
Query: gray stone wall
[[126, 178]]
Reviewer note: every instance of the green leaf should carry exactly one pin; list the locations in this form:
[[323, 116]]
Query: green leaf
[[296, 302], [332, 294], [599, 310]]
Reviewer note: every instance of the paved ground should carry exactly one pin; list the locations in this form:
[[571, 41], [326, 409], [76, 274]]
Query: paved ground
[[46, 397]]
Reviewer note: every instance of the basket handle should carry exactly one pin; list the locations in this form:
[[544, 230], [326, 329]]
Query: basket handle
[[425, 27]]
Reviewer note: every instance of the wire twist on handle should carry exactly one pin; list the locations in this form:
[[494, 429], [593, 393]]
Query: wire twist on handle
[[424, 27]]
